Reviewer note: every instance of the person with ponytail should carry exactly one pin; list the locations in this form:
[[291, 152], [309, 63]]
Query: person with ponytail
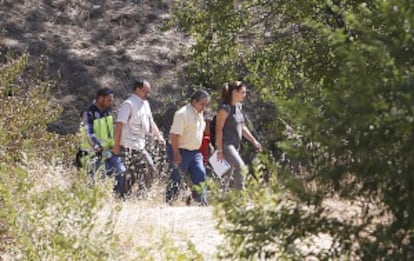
[[230, 129]]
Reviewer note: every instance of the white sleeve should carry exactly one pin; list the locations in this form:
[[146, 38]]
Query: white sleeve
[[177, 126], [124, 113]]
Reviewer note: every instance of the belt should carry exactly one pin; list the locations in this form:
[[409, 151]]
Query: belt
[[169, 144], [189, 150]]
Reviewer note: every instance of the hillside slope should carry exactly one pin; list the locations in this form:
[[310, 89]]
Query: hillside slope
[[91, 44]]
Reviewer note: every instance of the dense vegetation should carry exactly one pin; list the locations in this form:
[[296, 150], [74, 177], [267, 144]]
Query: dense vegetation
[[334, 80], [339, 75]]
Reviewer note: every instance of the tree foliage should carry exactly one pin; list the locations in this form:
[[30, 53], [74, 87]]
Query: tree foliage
[[340, 74], [26, 110]]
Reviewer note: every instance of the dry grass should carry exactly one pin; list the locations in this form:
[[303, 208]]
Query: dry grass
[[144, 223]]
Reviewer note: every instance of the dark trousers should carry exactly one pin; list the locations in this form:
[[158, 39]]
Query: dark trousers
[[191, 162], [137, 162], [113, 166]]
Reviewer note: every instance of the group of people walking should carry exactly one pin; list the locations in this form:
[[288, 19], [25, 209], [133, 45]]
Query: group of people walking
[[116, 143]]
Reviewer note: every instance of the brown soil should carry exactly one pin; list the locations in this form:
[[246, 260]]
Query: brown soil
[[91, 44]]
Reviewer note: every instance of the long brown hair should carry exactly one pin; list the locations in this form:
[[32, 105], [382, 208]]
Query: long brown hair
[[228, 89]]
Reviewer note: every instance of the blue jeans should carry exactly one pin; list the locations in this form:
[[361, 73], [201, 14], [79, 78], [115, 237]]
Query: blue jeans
[[191, 162], [113, 165]]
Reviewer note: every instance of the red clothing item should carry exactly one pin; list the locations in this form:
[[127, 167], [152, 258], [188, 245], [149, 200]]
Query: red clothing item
[[204, 148]]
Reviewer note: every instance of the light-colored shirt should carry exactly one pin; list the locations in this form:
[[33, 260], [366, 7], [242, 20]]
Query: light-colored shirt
[[136, 117], [190, 125]]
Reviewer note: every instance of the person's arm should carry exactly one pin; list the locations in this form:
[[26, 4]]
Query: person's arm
[[174, 138], [220, 120], [177, 129], [249, 136], [124, 113], [90, 133], [156, 132], [117, 138]]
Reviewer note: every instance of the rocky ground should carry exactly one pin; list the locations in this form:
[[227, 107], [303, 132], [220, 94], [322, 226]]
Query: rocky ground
[[86, 45]]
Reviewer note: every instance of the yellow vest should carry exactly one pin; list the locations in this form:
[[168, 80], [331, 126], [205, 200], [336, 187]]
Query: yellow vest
[[104, 132]]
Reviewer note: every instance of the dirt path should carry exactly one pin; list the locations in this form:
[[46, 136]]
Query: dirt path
[[146, 223], [143, 225]]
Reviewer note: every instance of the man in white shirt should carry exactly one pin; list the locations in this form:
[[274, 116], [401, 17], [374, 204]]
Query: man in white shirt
[[133, 126], [186, 135]]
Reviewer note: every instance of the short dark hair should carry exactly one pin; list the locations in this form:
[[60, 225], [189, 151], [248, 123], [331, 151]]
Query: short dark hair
[[199, 94], [104, 92], [138, 84]]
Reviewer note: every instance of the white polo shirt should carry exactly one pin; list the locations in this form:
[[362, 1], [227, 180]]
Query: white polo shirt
[[189, 124], [136, 116]]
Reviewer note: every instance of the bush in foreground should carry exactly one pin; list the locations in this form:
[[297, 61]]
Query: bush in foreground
[[46, 209]]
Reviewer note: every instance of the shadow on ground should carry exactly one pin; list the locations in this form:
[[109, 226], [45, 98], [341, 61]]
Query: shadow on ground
[[85, 45]]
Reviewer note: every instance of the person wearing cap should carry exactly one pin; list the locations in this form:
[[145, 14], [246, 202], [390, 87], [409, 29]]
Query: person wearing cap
[[97, 134], [183, 152], [134, 125]]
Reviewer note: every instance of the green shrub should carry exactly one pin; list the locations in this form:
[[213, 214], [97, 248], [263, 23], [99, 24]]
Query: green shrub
[[55, 221], [340, 74], [47, 211], [27, 108]]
